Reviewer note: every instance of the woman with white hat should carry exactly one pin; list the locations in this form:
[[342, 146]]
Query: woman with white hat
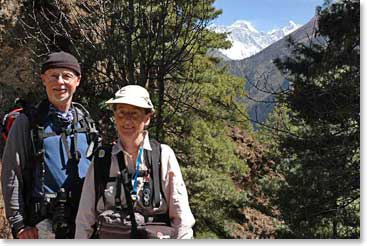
[[133, 110]]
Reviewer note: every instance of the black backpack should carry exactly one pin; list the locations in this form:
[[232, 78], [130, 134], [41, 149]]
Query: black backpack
[[36, 115], [102, 164], [112, 224]]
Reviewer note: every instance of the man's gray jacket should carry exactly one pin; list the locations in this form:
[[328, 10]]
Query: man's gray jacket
[[17, 152]]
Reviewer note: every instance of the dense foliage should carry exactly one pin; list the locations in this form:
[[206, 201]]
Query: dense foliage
[[319, 148]]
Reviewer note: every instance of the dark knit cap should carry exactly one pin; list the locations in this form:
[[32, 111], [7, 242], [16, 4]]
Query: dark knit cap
[[61, 60]]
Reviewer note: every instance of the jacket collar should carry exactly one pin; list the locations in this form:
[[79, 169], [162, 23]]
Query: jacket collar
[[117, 147]]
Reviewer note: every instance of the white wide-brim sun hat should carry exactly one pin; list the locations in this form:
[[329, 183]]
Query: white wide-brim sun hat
[[135, 95]]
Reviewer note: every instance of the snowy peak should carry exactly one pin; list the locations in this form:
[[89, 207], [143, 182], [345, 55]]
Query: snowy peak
[[247, 40], [282, 32], [244, 25], [292, 26]]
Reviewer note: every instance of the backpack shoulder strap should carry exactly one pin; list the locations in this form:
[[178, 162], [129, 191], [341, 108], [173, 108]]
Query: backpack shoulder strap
[[81, 112], [125, 179], [101, 165], [89, 127], [154, 161], [84, 114], [37, 113]]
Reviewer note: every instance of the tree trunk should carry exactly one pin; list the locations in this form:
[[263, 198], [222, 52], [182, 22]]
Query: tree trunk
[[335, 229], [159, 131], [129, 51]]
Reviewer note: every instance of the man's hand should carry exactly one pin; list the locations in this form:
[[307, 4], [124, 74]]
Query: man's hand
[[28, 233]]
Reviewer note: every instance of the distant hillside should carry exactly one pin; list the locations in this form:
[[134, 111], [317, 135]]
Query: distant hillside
[[262, 75]]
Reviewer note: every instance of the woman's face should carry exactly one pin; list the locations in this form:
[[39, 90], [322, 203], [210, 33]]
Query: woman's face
[[130, 121]]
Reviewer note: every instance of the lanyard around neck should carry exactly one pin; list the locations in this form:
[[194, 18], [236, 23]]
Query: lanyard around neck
[[138, 161]]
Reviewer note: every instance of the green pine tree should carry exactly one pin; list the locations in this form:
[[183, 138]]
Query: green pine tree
[[320, 159]]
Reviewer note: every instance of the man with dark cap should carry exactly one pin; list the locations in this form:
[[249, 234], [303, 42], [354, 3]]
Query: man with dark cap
[[47, 155]]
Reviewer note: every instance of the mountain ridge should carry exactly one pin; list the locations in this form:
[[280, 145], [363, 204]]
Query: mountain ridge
[[247, 40], [261, 74]]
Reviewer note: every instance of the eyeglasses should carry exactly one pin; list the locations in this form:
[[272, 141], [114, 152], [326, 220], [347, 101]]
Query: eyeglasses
[[134, 115], [67, 77]]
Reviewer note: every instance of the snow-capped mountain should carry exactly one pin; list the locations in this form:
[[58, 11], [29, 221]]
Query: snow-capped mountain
[[282, 32], [247, 40]]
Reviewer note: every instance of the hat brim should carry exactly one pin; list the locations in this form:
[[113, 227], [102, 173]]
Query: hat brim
[[138, 102]]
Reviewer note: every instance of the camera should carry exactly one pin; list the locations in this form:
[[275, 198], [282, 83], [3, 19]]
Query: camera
[[53, 206], [60, 214]]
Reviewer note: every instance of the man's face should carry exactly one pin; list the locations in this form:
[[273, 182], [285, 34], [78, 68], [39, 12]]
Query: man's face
[[60, 84], [130, 121]]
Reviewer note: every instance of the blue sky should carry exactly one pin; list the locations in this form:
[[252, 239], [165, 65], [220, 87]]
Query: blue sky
[[266, 15]]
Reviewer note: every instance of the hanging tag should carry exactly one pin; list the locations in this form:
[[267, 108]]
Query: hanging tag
[[134, 197]]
